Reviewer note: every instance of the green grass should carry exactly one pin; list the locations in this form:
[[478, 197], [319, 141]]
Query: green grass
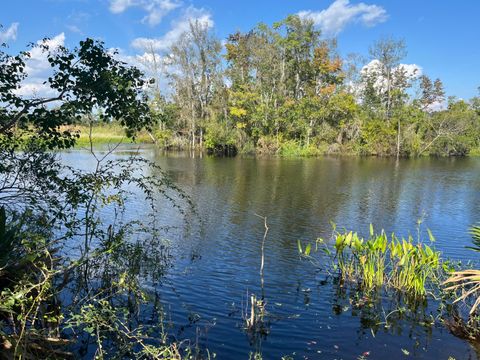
[[474, 152], [291, 148], [107, 134]]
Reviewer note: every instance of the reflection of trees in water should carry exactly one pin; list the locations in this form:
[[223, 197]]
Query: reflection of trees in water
[[300, 197]]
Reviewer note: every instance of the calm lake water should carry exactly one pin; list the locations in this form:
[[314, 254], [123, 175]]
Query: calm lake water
[[217, 257]]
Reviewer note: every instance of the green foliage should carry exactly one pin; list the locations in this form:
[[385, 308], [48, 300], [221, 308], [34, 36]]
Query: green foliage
[[291, 148], [414, 266], [218, 138], [65, 261], [109, 327], [475, 232], [377, 138], [379, 261], [286, 91], [85, 79]]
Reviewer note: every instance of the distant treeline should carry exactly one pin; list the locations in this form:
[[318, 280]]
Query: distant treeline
[[284, 89]]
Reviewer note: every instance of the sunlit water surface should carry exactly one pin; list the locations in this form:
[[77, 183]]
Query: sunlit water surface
[[217, 256]]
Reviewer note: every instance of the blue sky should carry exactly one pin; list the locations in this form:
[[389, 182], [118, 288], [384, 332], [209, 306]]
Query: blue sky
[[441, 35]]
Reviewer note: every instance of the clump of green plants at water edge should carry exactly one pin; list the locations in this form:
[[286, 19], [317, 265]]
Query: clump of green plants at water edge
[[402, 264]]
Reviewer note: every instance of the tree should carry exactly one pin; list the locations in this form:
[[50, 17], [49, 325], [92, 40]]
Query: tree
[[388, 52], [297, 50], [154, 65], [240, 48], [475, 102], [431, 93], [195, 74], [449, 132], [54, 236], [84, 79], [391, 77], [328, 69]]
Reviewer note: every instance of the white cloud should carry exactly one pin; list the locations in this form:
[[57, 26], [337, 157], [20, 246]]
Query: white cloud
[[374, 67], [179, 26], [38, 69], [74, 28], [35, 88], [145, 62], [37, 62], [153, 65], [412, 71], [10, 33], [119, 6], [156, 9], [437, 106], [341, 13]]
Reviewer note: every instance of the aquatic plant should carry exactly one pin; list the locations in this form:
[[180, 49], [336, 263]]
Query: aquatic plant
[[361, 259], [412, 265], [475, 232], [467, 281], [379, 261]]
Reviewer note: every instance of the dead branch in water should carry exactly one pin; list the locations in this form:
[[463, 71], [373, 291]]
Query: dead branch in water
[[254, 322], [262, 261]]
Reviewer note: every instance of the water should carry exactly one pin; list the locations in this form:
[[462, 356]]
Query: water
[[217, 257]]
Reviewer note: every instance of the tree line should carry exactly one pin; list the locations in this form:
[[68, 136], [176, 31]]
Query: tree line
[[285, 89]]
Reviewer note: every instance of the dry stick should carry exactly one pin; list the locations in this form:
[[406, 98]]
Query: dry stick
[[253, 300], [251, 320], [262, 263]]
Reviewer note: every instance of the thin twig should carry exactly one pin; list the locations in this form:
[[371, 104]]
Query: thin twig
[[262, 261]]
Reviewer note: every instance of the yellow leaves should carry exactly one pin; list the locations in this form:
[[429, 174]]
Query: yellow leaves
[[122, 279], [328, 65], [328, 89], [236, 111]]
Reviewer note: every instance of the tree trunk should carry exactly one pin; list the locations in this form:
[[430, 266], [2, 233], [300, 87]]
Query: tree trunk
[[398, 138], [388, 92]]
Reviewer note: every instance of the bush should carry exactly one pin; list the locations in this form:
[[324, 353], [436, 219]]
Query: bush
[[268, 144], [378, 137], [292, 148]]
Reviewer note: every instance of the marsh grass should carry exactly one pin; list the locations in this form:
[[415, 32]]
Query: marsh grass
[[103, 134]]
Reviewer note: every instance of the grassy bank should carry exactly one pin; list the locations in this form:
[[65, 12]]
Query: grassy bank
[[107, 134]]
